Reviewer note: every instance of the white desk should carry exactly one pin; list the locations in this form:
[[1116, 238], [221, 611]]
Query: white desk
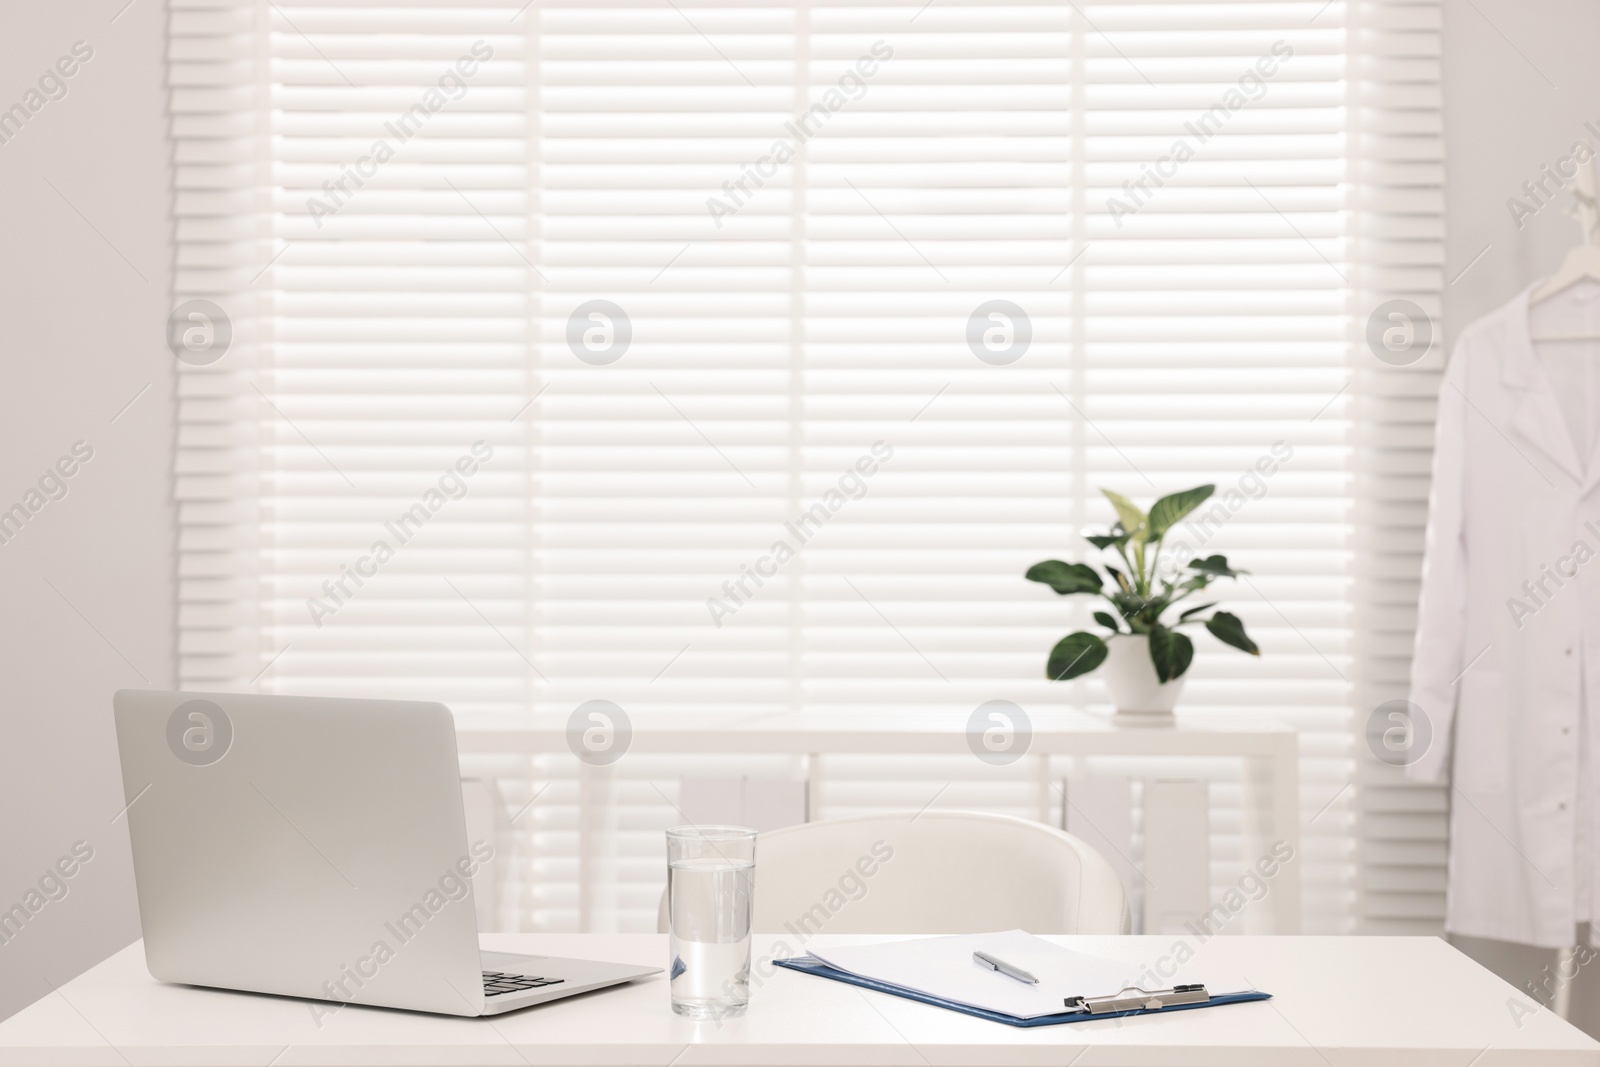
[[1270, 751], [1339, 1002]]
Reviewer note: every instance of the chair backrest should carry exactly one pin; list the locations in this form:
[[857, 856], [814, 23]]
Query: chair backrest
[[946, 872]]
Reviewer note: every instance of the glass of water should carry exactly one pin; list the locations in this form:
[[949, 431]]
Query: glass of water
[[710, 888]]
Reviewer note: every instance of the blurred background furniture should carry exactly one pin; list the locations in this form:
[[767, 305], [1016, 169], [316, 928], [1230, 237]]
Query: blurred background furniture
[[593, 830], [871, 874]]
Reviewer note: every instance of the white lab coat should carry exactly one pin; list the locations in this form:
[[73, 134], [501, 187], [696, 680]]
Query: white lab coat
[[1508, 634]]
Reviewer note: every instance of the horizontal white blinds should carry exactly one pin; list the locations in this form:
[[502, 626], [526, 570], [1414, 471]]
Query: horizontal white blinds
[[385, 184], [1401, 229], [790, 212]]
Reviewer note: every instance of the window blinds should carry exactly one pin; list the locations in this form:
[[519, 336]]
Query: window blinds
[[742, 356]]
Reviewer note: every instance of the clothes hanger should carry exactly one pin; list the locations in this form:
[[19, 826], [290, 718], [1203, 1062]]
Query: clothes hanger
[[1583, 261]]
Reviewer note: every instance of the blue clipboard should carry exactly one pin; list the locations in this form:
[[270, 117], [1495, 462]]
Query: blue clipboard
[[812, 965]]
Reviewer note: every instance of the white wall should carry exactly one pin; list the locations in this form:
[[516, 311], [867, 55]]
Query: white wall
[[81, 333], [1520, 81]]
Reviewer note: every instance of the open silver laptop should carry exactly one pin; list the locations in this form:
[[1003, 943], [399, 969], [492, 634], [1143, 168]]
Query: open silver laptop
[[315, 847]]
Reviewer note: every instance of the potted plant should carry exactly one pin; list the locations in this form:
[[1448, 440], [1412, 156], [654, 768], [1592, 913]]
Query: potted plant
[[1145, 655]]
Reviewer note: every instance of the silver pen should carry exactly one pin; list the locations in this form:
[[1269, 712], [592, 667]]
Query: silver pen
[[1004, 968]]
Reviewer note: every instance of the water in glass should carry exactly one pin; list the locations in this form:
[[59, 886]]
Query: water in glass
[[709, 904]]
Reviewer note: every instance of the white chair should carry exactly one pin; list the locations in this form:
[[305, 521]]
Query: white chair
[[941, 872]]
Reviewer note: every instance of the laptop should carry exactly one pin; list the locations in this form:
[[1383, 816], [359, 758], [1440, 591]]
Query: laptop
[[317, 847]]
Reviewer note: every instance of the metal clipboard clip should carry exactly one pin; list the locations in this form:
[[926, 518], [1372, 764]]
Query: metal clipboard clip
[[1133, 998]]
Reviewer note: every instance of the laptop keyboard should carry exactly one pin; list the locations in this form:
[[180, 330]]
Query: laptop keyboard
[[497, 983]]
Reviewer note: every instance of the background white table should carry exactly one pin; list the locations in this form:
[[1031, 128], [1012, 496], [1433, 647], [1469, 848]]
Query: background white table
[[1367, 1001]]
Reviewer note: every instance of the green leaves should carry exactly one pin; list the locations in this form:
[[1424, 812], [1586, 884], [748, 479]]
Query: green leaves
[[1133, 520], [1130, 606], [1217, 565], [1075, 654], [1230, 631], [1122, 581], [1140, 591], [1166, 512], [1065, 578], [1105, 541], [1154, 606], [1170, 651]]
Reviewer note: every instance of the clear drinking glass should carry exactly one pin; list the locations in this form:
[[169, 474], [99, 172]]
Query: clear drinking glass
[[710, 886]]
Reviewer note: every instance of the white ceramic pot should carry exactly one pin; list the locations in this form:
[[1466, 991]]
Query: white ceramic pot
[[1131, 677]]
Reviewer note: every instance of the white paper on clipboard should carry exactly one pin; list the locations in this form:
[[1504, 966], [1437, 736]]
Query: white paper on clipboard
[[943, 967]]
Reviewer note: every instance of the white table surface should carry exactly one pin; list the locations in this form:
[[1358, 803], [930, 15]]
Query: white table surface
[[1365, 1001]]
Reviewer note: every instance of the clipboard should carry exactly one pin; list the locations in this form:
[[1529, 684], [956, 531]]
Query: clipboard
[[1122, 1004]]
